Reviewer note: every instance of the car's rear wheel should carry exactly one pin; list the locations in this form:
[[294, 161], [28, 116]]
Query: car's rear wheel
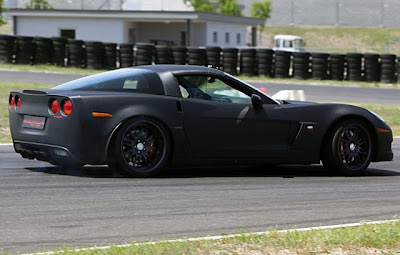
[[142, 148], [348, 148]]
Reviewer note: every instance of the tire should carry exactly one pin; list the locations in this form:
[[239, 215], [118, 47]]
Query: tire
[[341, 148], [131, 157]]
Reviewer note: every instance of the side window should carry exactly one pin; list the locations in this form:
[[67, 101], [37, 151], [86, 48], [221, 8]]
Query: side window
[[277, 43], [210, 88]]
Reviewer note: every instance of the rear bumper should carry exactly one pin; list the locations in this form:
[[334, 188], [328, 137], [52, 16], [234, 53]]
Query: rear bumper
[[53, 154]]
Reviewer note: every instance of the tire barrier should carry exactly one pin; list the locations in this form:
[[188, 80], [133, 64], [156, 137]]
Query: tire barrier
[[94, 54], [319, 66], [179, 55], [7, 49], [230, 60], [197, 57], [248, 62], [58, 51], [354, 71], [42, 51], [301, 65], [24, 50], [76, 53], [125, 55], [282, 64], [144, 54], [371, 67], [213, 56], [336, 67], [264, 62], [388, 68], [110, 56], [163, 55]]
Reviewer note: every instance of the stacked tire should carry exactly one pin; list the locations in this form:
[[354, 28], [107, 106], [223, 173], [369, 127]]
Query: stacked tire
[[248, 62], [144, 54], [110, 56], [6, 49], [197, 57], [125, 55], [264, 62], [76, 53], [282, 64], [94, 55], [43, 48], [59, 51], [230, 60], [163, 55], [301, 65], [179, 55], [371, 67], [213, 57], [24, 50], [388, 68], [336, 67], [319, 66], [354, 67]]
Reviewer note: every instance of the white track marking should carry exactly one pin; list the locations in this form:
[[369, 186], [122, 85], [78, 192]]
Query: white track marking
[[206, 238]]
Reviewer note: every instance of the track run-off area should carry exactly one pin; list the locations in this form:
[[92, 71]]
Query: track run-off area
[[44, 207]]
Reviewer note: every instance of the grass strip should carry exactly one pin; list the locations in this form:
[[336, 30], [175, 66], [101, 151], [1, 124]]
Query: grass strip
[[363, 239], [391, 113]]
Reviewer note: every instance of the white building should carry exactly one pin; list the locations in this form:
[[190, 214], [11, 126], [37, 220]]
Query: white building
[[166, 27]]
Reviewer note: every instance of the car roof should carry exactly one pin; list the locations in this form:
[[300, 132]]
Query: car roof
[[287, 37], [177, 69]]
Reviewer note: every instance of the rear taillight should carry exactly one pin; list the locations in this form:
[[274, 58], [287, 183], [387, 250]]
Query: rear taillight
[[18, 103], [12, 102], [67, 107], [54, 106]]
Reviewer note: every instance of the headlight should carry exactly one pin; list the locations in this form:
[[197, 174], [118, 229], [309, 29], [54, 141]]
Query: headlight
[[376, 115]]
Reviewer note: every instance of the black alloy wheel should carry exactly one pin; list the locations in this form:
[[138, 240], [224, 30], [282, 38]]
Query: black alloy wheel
[[348, 148], [142, 148]]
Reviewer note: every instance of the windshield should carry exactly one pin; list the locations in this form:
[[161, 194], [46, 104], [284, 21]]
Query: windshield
[[128, 80]]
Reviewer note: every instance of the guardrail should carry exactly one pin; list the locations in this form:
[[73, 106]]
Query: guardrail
[[367, 67]]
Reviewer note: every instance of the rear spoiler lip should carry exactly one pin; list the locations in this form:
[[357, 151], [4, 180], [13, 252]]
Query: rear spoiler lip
[[35, 92]]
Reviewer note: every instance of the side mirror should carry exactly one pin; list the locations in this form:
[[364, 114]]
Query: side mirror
[[256, 101]]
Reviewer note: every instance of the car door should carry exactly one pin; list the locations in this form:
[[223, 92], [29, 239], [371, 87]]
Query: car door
[[220, 120]]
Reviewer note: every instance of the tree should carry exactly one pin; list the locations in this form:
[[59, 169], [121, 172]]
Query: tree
[[201, 5], [229, 7], [39, 4], [2, 21], [261, 9]]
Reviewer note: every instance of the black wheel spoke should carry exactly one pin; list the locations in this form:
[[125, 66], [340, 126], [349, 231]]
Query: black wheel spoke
[[142, 145], [354, 146]]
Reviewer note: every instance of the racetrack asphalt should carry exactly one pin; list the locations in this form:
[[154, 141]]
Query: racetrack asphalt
[[317, 93], [44, 207]]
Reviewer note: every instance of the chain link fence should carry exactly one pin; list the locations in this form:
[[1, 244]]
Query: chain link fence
[[355, 13], [80, 4]]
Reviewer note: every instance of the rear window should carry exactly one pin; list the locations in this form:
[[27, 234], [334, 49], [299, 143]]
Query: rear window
[[127, 80]]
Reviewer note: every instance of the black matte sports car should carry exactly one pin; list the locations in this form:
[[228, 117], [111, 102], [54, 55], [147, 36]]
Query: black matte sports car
[[142, 119]]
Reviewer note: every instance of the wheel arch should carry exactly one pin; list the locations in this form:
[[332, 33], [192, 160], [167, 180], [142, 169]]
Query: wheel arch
[[333, 124], [113, 134]]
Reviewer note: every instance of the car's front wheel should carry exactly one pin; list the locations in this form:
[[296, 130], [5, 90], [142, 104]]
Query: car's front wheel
[[348, 148], [142, 148]]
